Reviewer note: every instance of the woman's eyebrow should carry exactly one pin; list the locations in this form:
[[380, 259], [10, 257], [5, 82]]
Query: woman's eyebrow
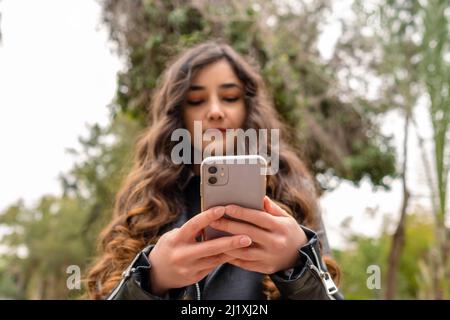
[[222, 86], [229, 85], [196, 88]]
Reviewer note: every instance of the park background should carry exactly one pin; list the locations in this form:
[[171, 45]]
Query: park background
[[364, 86]]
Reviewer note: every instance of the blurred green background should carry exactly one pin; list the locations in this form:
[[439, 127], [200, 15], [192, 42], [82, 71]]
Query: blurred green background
[[334, 122]]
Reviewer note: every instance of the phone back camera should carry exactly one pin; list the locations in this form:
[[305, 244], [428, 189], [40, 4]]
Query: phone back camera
[[212, 170], [212, 180]]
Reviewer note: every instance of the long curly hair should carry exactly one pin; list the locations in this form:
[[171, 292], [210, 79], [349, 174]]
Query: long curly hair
[[151, 196]]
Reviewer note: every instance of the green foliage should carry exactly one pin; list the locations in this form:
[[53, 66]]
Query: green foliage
[[50, 235], [328, 133], [370, 153], [364, 251]]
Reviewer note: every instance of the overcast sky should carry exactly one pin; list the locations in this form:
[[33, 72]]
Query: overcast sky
[[57, 74]]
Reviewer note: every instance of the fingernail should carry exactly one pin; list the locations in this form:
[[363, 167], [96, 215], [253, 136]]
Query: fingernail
[[218, 210], [245, 241], [269, 205]]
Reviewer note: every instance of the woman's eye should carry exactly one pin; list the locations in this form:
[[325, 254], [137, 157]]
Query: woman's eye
[[199, 102], [231, 99], [194, 102]]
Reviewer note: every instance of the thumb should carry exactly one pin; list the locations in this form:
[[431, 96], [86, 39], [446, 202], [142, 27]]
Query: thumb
[[272, 208]]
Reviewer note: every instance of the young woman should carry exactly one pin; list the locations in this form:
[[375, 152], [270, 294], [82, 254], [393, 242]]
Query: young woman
[[150, 250]]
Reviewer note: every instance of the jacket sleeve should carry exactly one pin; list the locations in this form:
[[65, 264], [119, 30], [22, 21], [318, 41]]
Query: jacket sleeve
[[135, 282], [309, 279]]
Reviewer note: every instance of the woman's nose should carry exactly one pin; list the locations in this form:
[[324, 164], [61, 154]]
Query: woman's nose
[[215, 111]]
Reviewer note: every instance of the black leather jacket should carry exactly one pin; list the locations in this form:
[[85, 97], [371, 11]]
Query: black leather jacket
[[309, 279]]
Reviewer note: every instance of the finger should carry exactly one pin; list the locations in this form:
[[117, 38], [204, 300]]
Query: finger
[[246, 254], [234, 227], [218, 246], [257, 217], [195, 225], [273, 208], [212, 261]]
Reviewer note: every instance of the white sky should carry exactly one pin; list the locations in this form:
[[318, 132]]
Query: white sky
[[57, 74]]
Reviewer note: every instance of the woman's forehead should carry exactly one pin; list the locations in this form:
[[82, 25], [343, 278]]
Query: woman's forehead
[[217, 74]]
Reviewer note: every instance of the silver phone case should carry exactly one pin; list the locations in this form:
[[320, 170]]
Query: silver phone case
[[245, 185]]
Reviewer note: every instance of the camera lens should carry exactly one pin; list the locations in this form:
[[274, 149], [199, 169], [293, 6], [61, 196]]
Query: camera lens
[[212, 170], [212, 180]]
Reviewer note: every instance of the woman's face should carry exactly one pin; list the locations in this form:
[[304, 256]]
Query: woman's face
[[216, 98]]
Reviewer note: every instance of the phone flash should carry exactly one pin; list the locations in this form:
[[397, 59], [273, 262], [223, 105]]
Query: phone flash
[[222, 174]]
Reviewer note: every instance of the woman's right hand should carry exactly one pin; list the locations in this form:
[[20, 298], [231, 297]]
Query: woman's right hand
[[178, 260]]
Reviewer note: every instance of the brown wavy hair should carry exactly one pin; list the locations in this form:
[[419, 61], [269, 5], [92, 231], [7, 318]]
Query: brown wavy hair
[[151, 196]]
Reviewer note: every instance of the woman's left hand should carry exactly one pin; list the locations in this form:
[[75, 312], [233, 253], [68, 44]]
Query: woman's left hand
[[275, 234]]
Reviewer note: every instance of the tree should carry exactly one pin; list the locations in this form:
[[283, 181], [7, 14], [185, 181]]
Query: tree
[[336, 138], [435, 72], [404, 44]]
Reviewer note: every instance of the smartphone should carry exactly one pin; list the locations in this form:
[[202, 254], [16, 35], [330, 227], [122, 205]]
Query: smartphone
[[225, 180]]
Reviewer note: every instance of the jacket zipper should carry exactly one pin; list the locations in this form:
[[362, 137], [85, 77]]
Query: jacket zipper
[[197, 287], [125, 275], [325, 277]]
